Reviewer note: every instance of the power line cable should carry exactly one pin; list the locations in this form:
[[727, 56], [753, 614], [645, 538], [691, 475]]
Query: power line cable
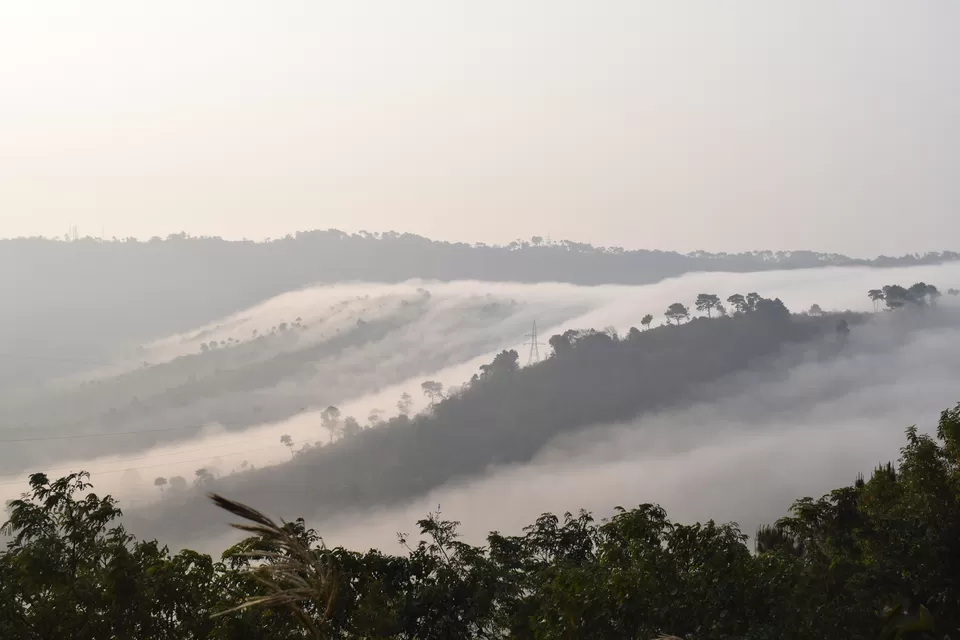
[[24, 356], [154, 466], [75, 436], [156, 455]]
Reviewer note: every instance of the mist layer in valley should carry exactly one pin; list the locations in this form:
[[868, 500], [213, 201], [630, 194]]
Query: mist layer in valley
[[361, 346], [299, 352], [743, 457], [97, 299]]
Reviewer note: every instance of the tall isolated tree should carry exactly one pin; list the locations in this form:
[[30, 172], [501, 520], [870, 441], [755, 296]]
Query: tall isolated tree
[[562, 343], [843, 329], [646, 320], [922, 293], [203, 477], [160, 482], [505, 362], [738, 302], [815, 310], [433, 391], [917, 292], [351, 427], [707, 302], [677, 312], [330, 419], [405, 403], [287, 441], [876, 295], [895, 296]]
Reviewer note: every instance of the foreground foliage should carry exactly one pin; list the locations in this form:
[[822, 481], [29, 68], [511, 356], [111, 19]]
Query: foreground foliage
[[880, 558]]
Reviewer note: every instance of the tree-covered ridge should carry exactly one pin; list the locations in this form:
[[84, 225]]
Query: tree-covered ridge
[[877, 559], [597, 385], [132, 291], [918, 294], [334, 239], [332, 354], [506, 413]]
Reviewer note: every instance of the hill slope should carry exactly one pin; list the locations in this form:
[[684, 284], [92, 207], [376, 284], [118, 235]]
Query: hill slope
[[506, 414]]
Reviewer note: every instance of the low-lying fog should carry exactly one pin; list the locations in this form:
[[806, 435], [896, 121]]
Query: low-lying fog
[[743, 458]]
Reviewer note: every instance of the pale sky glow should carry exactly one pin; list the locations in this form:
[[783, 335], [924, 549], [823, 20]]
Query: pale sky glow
[[673, 124]]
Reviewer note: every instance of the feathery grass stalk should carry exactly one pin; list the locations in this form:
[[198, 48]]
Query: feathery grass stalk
[[292, 574]]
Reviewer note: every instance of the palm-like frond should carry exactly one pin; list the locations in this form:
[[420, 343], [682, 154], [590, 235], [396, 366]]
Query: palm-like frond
[[292, 575]]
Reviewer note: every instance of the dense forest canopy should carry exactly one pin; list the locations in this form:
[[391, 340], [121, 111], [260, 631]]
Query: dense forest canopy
[[876, 559]]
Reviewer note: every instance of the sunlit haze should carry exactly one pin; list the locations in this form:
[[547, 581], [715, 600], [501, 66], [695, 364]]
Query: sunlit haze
[[679, 125], [507, 319]]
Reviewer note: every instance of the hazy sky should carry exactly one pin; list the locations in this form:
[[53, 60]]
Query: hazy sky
[[672, 124]]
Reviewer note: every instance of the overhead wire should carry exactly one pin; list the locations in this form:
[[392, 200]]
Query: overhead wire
[[74, 436], [25, 356], [155, 466], [120, 433], [156, 455]]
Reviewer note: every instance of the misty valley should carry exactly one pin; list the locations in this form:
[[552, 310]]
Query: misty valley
[[441, 320], [328, 416]]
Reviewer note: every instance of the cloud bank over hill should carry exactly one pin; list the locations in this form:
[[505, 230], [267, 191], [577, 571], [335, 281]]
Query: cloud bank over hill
[[741, 458], [408, 336], [90, 299]]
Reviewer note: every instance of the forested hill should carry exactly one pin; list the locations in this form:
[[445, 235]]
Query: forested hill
[[127, 290], [506, 414]]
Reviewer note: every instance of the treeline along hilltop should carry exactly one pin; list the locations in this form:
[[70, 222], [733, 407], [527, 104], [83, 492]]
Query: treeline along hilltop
[[123, 291]]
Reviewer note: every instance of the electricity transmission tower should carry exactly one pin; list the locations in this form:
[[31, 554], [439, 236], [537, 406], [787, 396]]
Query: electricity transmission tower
[[534, 345]]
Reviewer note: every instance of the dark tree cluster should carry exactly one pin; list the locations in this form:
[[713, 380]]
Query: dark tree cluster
[[876, 559], [709, 303], [282, 329], [895, 296]]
